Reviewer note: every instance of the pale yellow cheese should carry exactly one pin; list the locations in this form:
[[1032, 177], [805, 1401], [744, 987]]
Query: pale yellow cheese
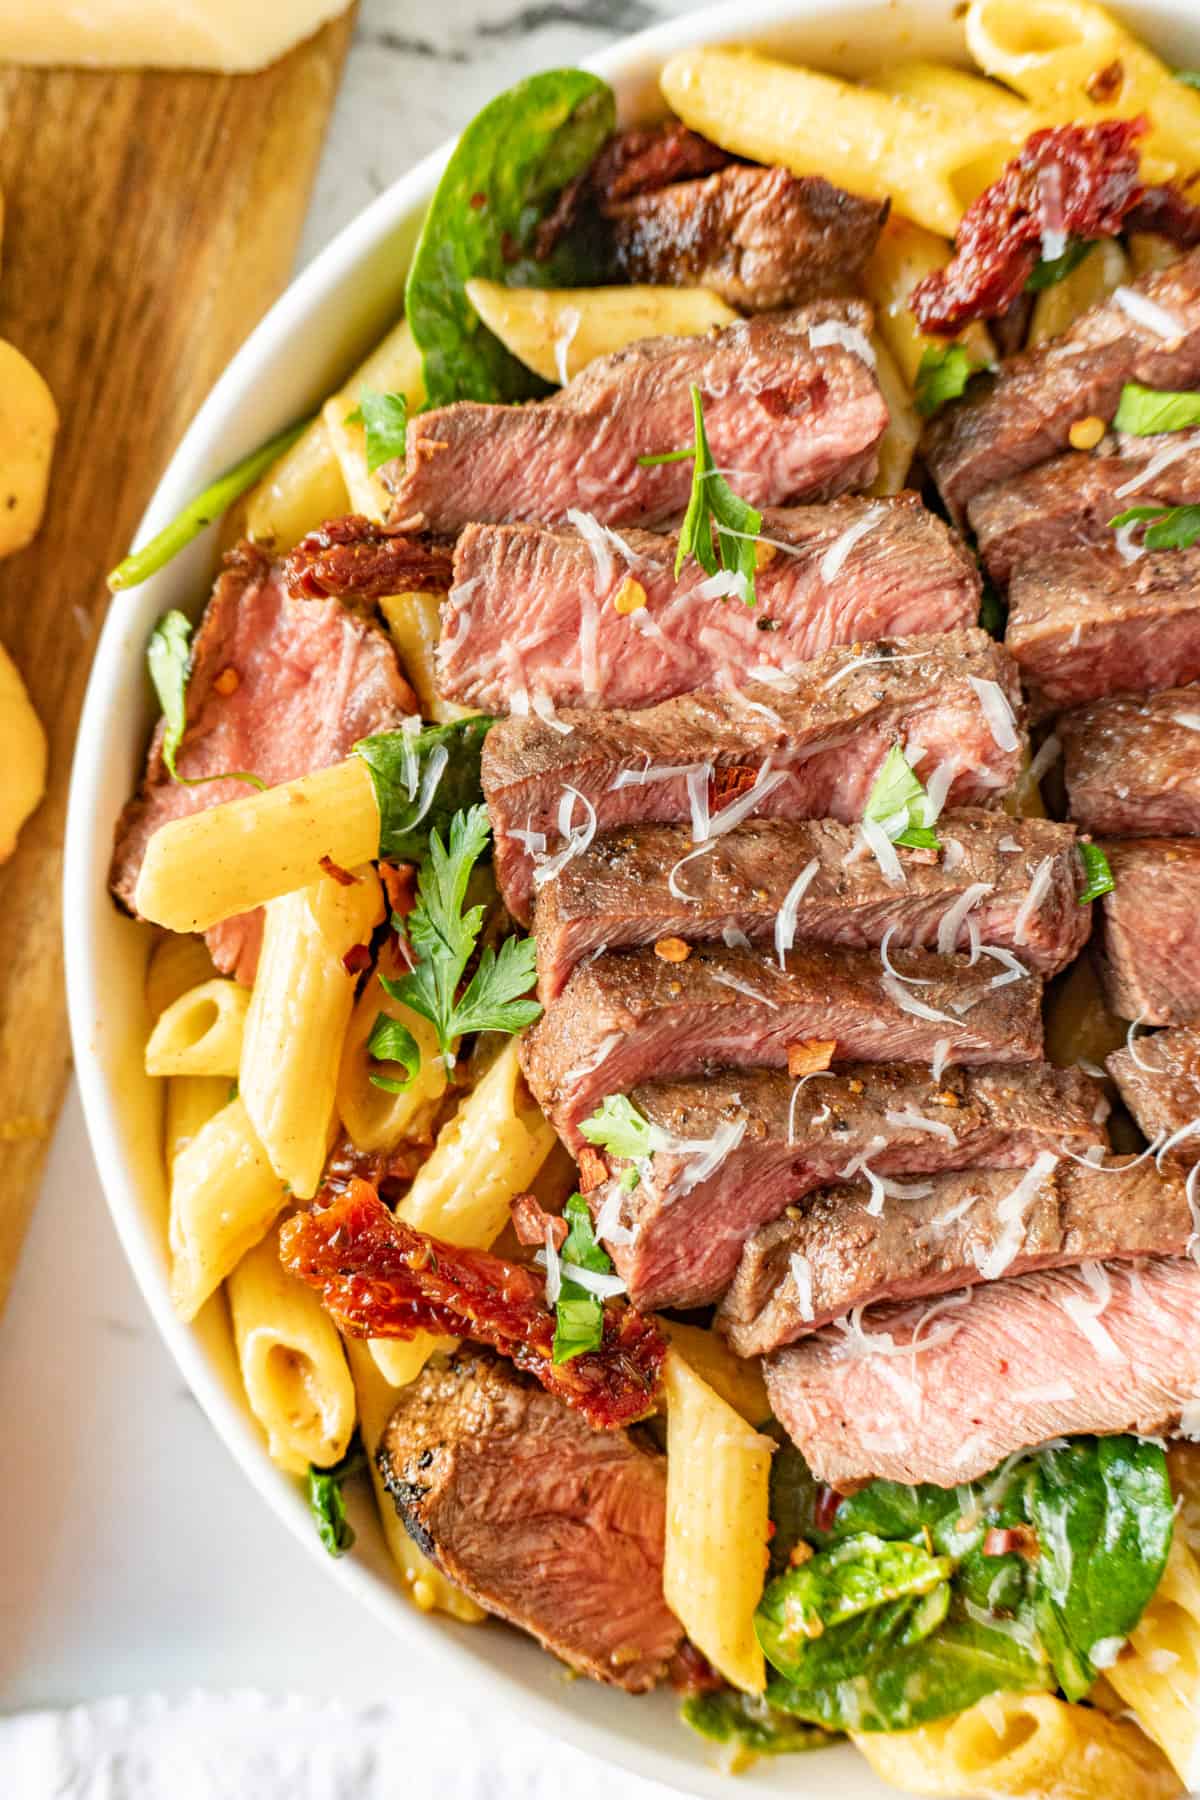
[[158, 34]]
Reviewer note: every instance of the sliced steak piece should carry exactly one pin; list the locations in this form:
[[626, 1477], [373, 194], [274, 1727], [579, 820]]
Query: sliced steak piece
[[1084, 624], [1150, 963], [541, 1520], [691, 1226], [956, 1235], [797, 422], [540, 612], [616, 894], [625, 1019], [1105, 1348], [815, 743], [1132, 764], [761, 238], [1067, 503], [278, 687], [1160, 1084], [1025, 414]]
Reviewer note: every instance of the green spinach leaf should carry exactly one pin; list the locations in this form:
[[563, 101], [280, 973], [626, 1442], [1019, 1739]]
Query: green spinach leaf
[[422, 778], [327, 1504], [801, 1610], [750, 1723]]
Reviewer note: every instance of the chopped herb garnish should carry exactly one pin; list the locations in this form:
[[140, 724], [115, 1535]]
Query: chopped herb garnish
[[1174, 527], [1099, 873], [392, 1041], [579, 1313], [899, 803], [326, 1502], [1189, 77], [1049, 274], [618, 1127], [168, 658], [1145, 411], [714, 508], [422, 778], [630, 1179], [443, 938], [384, 418], [943, 376]]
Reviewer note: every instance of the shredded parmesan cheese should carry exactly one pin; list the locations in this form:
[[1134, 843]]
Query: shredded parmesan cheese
[[1150, 315], [1033, 899], [997, 712], [801, 1270]]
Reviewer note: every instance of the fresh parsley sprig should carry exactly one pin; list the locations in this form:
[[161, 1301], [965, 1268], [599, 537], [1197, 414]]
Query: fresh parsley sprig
[[579, 1314], [1143, 411], [898, 802], [943, 375], [384, 418], [714, 511], [443, 937], [1098, 871], [1174, 527], [618, 1127], [168, 659]]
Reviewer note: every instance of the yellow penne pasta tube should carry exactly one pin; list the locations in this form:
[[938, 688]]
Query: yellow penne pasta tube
[[1073, 60], [488, 1154], [1102, 270], [898, 445], [950, 93], [232, 858], [738, 1382], [1148, 253], [1023, 1744], [177, 963], [224, 1196], [192, 1100], [414, 623], [1079, 1026], [201, 1032], [293, 1366], [1157, 1675], [904, 255], [717, 1517], [300, 1008], [872, 143], [423, 1580], [348, 438], [556, 332], [375, 1119]]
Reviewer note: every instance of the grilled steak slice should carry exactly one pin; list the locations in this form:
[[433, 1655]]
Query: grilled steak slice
[[1067, 503], [691, 1226], [1150, 964], [1025, 414], [816, 746], [955, 1235], [761, 238], [1084, 624], [625, 1019], [616, 894], [553, 1526], [1132, 764], [797, 422], [1160, 1084], [532, 610], [278, 687], [1106, 1348]]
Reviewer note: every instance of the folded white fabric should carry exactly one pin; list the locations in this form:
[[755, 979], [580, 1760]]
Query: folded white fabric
[[248, 1746]]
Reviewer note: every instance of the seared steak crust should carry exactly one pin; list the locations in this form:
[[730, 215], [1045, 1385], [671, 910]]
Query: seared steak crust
[[533, 610], [541, 1520], [1150, 964], [1160, 1084], [1009, 1369], [946, 1239], [797, 423], [688, 1237], [617, 895], [1132, 764]]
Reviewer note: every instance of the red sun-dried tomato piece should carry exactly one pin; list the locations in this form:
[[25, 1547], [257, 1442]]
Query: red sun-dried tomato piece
[[354, 556]]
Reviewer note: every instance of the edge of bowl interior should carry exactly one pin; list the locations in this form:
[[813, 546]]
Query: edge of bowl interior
[[324, 321]]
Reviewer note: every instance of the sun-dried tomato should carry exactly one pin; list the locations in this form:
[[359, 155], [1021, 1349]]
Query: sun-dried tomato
[[380, 1278], [532, 1222], [354, 556], [826, 1506], [400, 885]]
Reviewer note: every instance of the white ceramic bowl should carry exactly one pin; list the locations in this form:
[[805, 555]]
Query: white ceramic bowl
[[299, 353]]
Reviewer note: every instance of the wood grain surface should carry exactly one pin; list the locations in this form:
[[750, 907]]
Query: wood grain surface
[[151, 218]]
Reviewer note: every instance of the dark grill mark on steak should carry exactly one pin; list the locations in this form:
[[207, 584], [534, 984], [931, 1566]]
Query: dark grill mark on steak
[[1151, 934], [1132, 764]]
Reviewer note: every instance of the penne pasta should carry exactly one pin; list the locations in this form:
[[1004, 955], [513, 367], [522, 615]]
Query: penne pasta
[[292, 1362], [898, 445], [1157, 1675], [717, 1516], [201, 1032], [1079, 1026], [904, 255], [232, 858], [968, 99], [177, 962], [414, 623], [374, 1118], [556, 332], [488, 1154], [1104, 269], [224, 1196], [1149, 252], [738, 1382], [297, 1019], [192, 1100]]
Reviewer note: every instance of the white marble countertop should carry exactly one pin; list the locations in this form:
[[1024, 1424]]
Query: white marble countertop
[[135, 1557]]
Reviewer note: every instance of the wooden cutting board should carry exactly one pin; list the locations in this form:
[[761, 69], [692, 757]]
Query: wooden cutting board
[[151, 218]]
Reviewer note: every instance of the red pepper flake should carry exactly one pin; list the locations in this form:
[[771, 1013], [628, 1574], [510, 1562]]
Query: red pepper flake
[[228, 682], [343, 877], [356, 959], [825, 1509], [531, 1222], [593, 1170], [1021, 1539], [400, 884], [1105, 84]]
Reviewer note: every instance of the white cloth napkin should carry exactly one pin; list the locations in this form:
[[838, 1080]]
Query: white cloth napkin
[[248, 1746]]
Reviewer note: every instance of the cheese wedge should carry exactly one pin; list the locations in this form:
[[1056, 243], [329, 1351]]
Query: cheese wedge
[[225, 35]]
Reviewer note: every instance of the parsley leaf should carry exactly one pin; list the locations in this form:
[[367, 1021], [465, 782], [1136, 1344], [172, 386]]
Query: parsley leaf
[[579, 1314], [1175, 527], [618, 1126], [1099, 874], [168, 658], [943, 375], [326, 1504], [392, 1041], [898, 802], [384, 418], [443, 937], [1049, 274], [713, 506], [1144, 411]]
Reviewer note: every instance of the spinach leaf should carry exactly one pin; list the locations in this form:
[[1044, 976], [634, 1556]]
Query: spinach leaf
[[793, 1502], [748, 1721], [514, 156], [422, 778], [325, 1501], [1049, 274], [1103, 1513], [797, 1621]]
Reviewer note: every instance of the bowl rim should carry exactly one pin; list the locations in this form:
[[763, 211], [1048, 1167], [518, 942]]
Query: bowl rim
[[217, 435]]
